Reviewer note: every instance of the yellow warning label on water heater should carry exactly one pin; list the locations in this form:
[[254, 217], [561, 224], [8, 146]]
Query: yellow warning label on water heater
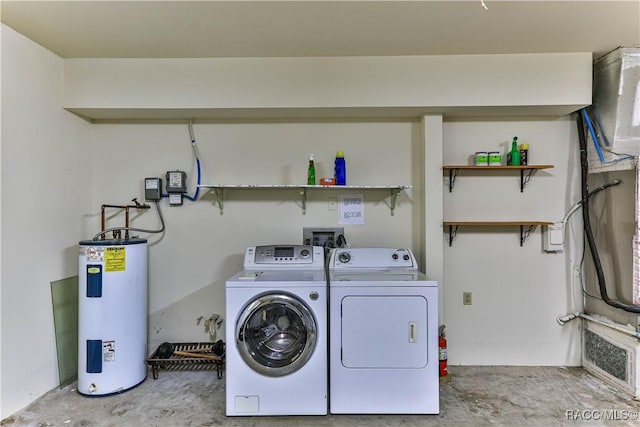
[[115, 258]]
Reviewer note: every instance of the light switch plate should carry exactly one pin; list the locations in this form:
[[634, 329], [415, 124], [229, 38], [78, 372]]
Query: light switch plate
[[466, 298]]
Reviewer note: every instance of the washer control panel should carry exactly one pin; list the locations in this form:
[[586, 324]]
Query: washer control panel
[[372, 258], [283, 256]]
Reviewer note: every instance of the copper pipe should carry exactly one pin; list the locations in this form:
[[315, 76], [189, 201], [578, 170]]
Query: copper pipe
[[102, 222], [126, 216], [126, 223]]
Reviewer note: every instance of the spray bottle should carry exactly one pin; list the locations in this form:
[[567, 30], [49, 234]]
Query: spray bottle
[[513, 157], [311, 171]]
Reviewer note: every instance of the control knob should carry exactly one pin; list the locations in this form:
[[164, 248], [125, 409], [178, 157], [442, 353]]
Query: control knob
[[304, 253], [344, 257]]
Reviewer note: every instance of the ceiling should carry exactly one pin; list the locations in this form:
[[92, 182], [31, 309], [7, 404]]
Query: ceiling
[[206, 29]]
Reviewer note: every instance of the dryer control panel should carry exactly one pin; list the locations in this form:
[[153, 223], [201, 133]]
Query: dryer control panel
[[284, 257], [372, 259]]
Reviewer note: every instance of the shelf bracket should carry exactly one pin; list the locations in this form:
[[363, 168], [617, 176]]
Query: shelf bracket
[[394, 197], [303, 194], [453, 174], [453, 231], [525, 177], [219, 198], [525, 233]]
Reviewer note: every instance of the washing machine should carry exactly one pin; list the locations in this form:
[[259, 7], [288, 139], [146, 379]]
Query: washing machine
[[383, 329], [276, 357]]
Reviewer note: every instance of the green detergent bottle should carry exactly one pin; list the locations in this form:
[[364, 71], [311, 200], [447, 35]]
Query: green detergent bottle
[[513, 157]]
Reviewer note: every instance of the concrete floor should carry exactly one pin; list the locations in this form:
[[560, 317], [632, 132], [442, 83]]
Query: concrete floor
[[471, 396]]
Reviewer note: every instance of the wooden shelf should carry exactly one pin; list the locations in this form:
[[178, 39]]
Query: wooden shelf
[[525, 172], [526, 227], [219, 189], [505, 167]]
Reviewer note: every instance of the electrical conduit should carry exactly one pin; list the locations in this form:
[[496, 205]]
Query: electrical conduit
[[587, 224], [564, 319]]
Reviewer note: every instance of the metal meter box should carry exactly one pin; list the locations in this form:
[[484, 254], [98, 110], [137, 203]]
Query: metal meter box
[[153, 188], [176, 182]]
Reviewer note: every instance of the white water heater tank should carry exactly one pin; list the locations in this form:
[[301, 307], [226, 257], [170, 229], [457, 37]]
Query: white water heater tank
[[112, 316]]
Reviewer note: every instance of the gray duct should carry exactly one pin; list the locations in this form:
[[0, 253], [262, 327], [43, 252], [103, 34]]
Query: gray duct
[[616, 99]]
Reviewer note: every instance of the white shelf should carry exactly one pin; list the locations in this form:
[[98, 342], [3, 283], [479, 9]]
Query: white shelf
[[219, 189]]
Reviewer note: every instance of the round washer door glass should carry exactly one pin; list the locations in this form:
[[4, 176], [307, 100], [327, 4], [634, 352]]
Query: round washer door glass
[[276, 334]]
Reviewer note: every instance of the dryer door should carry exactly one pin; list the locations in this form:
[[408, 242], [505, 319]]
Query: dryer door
[[276, 334]]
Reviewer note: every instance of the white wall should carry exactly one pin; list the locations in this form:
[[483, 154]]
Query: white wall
[[46, 184], [518, 84], [431, 243], [517, 292], [201, 247]]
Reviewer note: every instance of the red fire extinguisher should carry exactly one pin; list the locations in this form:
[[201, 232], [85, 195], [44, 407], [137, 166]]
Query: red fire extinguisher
[[442, 352]]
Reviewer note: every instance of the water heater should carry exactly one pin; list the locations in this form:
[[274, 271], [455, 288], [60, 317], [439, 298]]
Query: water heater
[[112, 316]]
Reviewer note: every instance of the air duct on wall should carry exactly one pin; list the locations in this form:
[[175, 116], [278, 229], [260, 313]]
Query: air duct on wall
[[616, 99]]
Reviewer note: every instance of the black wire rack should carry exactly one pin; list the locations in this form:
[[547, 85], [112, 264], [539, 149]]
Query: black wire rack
[[202, 358]]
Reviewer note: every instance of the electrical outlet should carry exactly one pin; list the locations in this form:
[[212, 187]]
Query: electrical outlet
[[466, 298], [333, 203], [553, 237]]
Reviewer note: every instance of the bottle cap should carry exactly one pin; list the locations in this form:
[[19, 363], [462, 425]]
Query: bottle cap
[[515, 138], [340, 154], [524, 146]]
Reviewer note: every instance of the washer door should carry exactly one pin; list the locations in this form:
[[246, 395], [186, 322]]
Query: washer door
[[276, 334]]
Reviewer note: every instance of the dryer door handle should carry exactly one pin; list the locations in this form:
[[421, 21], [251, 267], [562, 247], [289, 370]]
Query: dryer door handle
[[413, 332]]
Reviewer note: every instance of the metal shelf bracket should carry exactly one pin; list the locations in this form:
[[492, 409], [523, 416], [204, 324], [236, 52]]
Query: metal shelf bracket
[[394, 197], [219, 191], [525, 233], [453, 231], [303, 193], [525, 177], [453, 174]]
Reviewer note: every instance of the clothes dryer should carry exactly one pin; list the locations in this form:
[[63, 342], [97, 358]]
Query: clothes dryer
[[276, 357], [383, 328]]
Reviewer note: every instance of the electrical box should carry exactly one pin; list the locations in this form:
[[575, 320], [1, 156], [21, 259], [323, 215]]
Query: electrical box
[[175, 199], [153, 188], [553, 237], [176, 182], [328, 237]]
